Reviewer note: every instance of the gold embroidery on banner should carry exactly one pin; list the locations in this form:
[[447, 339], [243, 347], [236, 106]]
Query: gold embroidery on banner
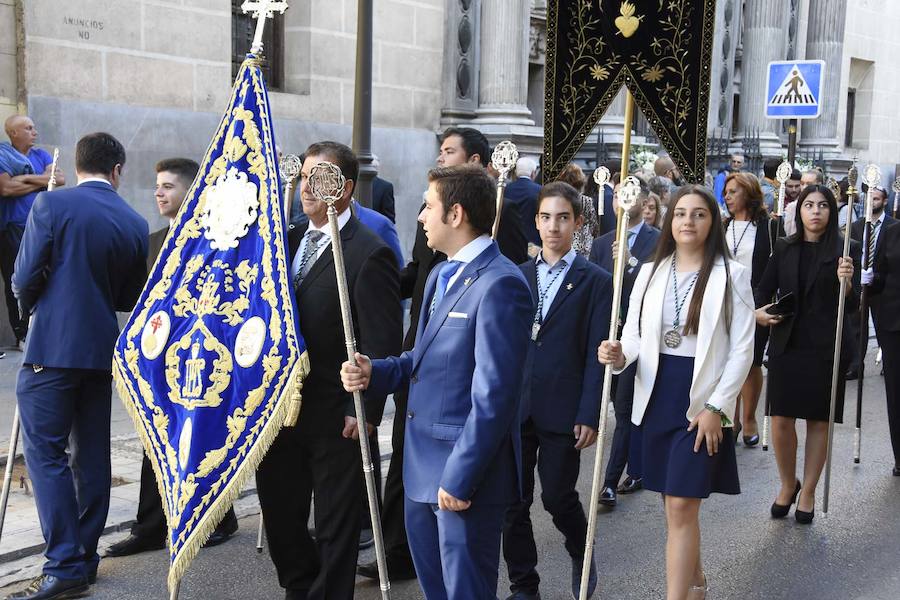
[[236, 144], [190, 392], [575, 110], [626, 22]]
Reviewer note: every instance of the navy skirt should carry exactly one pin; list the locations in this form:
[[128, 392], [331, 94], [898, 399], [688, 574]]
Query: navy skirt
[[670, 464]]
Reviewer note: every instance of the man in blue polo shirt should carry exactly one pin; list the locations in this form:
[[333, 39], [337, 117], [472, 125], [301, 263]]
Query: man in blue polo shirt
[[24, 171]]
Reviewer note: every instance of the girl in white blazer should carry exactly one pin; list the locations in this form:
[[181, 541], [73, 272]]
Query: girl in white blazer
[[690, 326]]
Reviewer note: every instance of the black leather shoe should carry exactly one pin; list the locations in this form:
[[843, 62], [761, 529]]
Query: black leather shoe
[[366, 539], [851, 375], [48, 587], [803, 517], [780, 511], [608, 497], [135, 544], [896, 471], [577, 564], [751, 440], [222, 533], [397, 571], [631, 485]]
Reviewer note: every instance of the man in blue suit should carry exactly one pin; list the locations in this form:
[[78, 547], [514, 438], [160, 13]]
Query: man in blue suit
[[522, 193], [462, 459], [625, 449], [83, 258], [572, 304]]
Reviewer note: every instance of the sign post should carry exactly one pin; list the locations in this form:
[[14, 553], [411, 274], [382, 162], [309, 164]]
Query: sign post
[[794, 91]]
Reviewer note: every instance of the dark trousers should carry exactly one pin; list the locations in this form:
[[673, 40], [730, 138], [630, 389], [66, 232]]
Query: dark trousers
[[456, 554], [392, 517], [64, 409], [890, 348], [151, 519], [557, 463], [625, 447], [10, 240], [296, 467]]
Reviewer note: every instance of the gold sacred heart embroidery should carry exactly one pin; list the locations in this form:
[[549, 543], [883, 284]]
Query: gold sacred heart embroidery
[[627, 23]]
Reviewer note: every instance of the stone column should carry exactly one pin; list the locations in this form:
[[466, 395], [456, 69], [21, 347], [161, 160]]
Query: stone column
[[503, 86], [461, 55], [825, 41], [765, 35], [721, 94]]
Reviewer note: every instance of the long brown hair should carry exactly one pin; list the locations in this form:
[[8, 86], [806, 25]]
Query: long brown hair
[[714, 249]]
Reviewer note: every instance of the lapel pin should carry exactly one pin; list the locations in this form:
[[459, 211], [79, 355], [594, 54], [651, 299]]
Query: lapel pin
[[570, 286], [467, 281]]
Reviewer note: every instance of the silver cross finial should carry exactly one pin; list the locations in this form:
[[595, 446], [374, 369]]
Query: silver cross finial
[[326, 182], [262, 10]]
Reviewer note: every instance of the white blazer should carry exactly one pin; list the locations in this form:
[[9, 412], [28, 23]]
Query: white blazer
[[724, 356]]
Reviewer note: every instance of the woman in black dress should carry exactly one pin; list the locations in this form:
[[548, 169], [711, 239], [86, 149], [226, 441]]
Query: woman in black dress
[[808, 265], [750, 234], [690, 328]]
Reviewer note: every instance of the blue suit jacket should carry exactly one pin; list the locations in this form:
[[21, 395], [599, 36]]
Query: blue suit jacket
[[523, 194], [465, 384], [383, 198], [83, 257], [563, 378], [381, 225]]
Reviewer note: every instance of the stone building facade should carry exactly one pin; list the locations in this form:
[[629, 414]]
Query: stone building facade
[[157, 74]]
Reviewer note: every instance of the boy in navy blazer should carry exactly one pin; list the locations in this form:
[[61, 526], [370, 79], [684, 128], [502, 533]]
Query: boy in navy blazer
[[572, 299], [462, 457], [83, 258], [625, 447]]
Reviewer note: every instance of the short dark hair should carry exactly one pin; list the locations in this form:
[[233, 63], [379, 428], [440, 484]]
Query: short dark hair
[[795, 176], [472, 188], [473, 142], [98, 153], [770, 167], [564, 191], [185, 168], [340, 155]]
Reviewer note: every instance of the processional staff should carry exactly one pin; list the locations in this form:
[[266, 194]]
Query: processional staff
[[628, 194], [327, 184], [289, 167], [14, 435], [781, 175], [872, 176], [852, 177], [504, 160], [896, 187], [601, 178]]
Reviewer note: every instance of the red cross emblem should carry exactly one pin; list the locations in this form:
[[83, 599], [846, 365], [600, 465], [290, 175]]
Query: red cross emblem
[[156, 323]]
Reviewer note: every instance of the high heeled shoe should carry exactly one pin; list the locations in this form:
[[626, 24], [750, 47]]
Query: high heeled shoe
[[699, 591], [803, 517], [780, 511]]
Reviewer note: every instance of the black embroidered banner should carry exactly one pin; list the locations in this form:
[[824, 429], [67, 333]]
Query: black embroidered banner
[[660, 49]]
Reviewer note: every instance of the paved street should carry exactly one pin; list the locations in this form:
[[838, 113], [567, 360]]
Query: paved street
[[850, 554]]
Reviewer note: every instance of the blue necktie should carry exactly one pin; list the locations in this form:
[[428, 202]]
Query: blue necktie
[[447, 271]]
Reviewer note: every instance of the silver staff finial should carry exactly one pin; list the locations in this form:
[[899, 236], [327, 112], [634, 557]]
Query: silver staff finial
[[629, 192], [872, 175], [601, 176], [784, 172], [504, 157], [326, 182], [289, 166]]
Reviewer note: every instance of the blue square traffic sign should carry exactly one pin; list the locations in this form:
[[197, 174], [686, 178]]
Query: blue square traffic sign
[[794, 89]]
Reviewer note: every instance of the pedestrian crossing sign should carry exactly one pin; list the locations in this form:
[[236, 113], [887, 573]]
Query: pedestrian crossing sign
[[794, 89]]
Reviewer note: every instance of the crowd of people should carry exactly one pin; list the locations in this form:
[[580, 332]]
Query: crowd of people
[[496, 382]]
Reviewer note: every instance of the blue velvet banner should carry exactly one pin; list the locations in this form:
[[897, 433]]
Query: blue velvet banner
[[211, 362]]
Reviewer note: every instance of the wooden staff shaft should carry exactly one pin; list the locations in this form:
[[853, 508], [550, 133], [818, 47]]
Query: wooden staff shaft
[[618, 271]]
